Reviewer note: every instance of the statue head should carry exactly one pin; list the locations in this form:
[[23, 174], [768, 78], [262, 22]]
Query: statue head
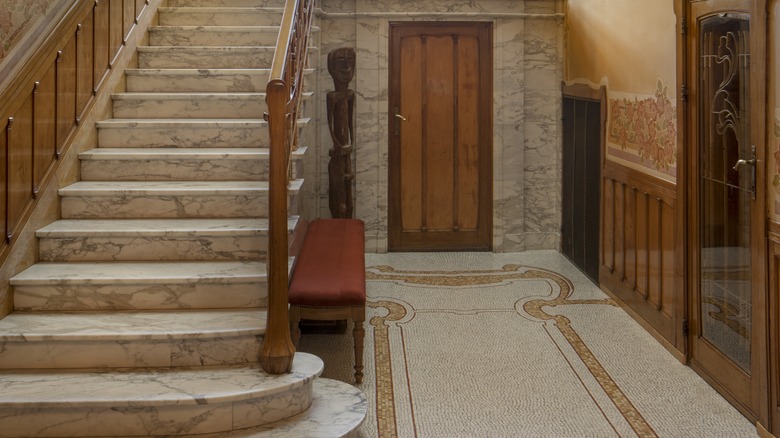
[[341, 65]]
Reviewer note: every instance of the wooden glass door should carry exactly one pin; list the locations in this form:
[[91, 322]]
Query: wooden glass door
[[726, 210], [440, 195]]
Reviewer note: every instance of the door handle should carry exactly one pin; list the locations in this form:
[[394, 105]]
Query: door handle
[[401, 117], [752, 163], [397, 117]]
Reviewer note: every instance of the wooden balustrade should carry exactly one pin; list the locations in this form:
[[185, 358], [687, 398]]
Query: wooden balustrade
[[42, 105], [283, 97]]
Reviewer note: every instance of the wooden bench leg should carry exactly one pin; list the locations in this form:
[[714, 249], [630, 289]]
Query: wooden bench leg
[[359, 334], [295, 326]]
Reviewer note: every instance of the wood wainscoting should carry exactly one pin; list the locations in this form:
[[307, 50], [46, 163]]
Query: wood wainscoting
[[773, 257], [42, 105], [638, 250]]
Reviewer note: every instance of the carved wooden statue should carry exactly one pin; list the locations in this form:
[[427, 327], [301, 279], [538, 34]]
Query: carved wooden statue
[[341, 104]]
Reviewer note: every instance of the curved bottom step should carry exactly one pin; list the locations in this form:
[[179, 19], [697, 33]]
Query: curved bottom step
[[337, 410]]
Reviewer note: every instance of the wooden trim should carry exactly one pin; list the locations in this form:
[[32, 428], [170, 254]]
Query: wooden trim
[[72, 64]]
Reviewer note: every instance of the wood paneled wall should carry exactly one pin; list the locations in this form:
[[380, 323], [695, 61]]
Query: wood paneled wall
[[43, 104], [773, 256], [638, 246]]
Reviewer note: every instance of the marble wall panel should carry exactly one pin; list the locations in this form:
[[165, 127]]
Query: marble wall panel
[[526, 115]]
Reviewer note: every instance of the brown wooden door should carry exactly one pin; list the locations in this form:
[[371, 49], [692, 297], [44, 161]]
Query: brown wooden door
[[726, 208], [440, 195]]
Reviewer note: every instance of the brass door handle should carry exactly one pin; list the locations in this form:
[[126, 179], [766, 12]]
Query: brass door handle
[[401, 117], [742, 162]]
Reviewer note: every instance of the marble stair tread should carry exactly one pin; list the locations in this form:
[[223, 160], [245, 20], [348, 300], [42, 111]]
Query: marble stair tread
[[182, 153], [216, 272], [337, 410], [167, 188], [231, 3], [70, 228], [191, 105], [142, 387], [213, 35], [131, 325], [187, 123]]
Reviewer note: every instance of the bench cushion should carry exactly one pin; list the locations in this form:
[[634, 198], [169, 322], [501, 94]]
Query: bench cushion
[[330, 270]]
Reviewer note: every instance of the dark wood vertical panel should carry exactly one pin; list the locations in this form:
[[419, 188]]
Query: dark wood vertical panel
[[66, 92], [410, 190], [655, 253], [140, 5], [5, 140], [642, 231], [20, 163], [101, 43], [128, 16], [667, 268], [116, 29], [620, 230], [629, 236], [45, 137], [608, 220], [468, 133], [85, 72]]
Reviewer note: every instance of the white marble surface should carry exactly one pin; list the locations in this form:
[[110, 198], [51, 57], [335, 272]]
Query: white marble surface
[[220, 16], [230, 3], [252, 35], [201, 80], [153, 402], [190, 105], [140, 286], [207, 57], [184, 132]]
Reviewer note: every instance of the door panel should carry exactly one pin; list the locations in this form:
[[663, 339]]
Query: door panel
[[727, 249], [440, 139]]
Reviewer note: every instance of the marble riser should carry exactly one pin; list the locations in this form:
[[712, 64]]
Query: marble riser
[[184, 133], [194, 80], [89, 297], [156, 402], [206, 36], [244, 106], [337, 410], [120, 248], [178, 170], [221, 16], [129, 352], [169, 206], [230, 3], [205, 57]]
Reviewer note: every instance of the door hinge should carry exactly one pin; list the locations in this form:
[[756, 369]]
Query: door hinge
[[684, 93], [684, 26], [685, 327]]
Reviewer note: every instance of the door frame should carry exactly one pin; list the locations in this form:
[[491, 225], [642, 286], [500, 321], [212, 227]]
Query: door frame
[[485, 30], [757, 406]]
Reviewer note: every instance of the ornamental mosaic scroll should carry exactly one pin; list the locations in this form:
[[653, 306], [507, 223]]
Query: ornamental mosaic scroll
[[341, 104]]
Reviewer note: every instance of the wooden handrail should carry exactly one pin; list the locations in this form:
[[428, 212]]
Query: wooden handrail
[[283, 98]]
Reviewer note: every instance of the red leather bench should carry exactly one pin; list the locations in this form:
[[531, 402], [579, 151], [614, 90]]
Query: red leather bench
[[328, 281]]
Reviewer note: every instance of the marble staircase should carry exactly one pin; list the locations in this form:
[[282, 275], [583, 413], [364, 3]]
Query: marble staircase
[[146, 312]]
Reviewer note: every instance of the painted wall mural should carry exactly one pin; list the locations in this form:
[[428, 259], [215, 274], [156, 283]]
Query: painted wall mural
[[17, 18], [645, 130]]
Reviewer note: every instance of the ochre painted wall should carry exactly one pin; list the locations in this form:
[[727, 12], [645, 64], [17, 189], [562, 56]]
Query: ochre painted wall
[[630, 47]]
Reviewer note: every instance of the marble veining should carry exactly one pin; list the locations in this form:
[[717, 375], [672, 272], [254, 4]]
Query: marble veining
[[223, 16], [200, 80], [213, 35], [212, 57]]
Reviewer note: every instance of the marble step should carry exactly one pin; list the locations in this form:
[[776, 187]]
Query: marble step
[[181, 164], [193, 133], [156, 239], [205, 57], [184, 80], [337, 410], [140, 286], [191, 105], [231, 3], [220, 16], [49, 340], [169, 199], [213, 35], [159, 402]]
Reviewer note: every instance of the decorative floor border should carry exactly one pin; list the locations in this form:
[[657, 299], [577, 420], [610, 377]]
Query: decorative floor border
[[385, 397]]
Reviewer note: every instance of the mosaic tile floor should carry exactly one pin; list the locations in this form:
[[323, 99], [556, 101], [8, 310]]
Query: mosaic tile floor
[[514, 345]]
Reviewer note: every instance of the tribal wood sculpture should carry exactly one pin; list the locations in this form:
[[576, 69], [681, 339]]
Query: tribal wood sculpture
[[341, 104]]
